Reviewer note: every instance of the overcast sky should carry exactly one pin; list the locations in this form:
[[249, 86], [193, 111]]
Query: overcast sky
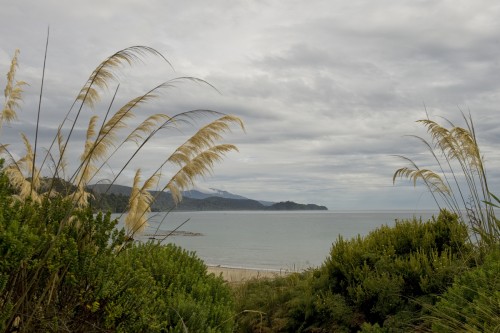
[[327, 89]]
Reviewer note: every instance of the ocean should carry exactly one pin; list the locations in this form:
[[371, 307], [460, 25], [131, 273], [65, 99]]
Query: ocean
[[277, 240]]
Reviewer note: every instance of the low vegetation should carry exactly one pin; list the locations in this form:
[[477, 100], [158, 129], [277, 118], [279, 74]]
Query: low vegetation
[[83, 276], [384, 280], [471, 304]]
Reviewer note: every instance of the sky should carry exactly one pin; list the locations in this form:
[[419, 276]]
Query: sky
[[329, 91]]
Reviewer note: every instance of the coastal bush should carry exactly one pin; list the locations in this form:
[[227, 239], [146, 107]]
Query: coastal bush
[[378, 282], [46, 265], [76, 279], [274, 305], [472, 303], [179, 293], [386, 276]]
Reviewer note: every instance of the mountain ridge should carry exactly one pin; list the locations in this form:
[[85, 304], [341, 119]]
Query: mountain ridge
[[116, 200]]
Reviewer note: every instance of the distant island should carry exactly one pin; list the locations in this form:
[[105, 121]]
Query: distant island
[[116, 199]]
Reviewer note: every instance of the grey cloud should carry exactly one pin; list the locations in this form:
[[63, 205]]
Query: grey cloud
[[327, 89]]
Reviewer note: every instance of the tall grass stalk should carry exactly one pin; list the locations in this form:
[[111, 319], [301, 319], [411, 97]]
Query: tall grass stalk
[[46, 181], [460, 181], [196, 157]]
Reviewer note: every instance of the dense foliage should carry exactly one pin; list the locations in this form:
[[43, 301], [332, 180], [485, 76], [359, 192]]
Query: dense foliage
[[77, 273], [381, 281], [472, 303], [114, 203]]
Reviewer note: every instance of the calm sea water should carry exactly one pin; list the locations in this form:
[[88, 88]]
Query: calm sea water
[[269, 240]]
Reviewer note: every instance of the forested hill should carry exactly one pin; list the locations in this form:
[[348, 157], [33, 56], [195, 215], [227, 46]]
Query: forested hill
[[116, 200]]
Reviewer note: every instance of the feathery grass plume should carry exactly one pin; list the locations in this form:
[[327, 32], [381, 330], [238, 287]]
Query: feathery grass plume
[[90, 93], [171, 122], [139, 133], [461, 182], [12, 93], [16, 171], [432, 179], [139, 204], [88, 168], [105, 72], [63, 162], [198, 154], [203, 139], [81, 197], [96, 149], [200, 165], [196, 157], [145, 128], [107, 136]]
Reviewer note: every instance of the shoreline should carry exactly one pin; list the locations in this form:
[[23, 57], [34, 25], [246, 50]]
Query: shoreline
[[237, 274]]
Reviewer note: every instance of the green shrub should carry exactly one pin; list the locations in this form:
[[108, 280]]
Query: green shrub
[[472, 303], [175, 292], [282, 304], [81, 275], [388, 274], [46, 263], [376, 283]]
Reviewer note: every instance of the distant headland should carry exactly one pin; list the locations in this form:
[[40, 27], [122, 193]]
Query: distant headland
[[115, 199]]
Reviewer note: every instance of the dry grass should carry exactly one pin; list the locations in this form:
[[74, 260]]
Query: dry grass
[[460, 182], [36, 177], [12, 93], [239, 275], [110, 132]]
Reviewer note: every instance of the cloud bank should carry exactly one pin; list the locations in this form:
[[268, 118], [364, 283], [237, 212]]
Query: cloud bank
[[327, 89]]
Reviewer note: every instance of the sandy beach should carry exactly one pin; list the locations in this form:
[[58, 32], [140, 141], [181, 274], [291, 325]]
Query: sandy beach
[[236, 275]]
